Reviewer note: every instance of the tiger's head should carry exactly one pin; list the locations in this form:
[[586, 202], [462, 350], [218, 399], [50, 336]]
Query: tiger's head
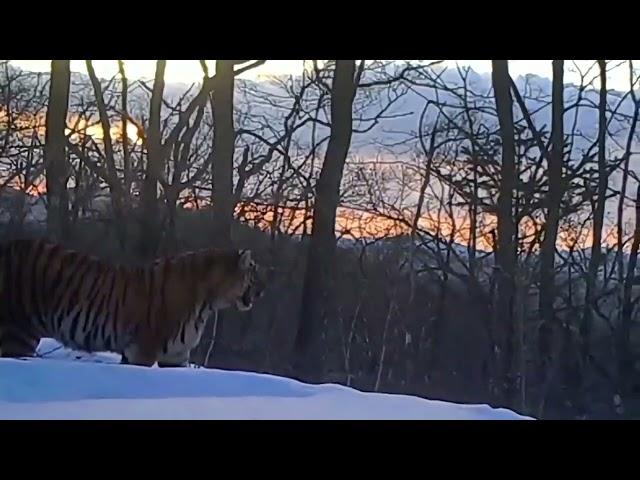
[[242, 283], [252, 282]]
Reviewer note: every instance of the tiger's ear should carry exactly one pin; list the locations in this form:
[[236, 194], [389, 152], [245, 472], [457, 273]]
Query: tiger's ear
[[244, 261]]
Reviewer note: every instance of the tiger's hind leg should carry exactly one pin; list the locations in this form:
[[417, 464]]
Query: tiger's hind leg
[[16, 342]]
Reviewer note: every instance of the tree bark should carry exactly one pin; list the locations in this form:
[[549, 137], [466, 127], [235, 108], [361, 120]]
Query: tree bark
[[223, 150], [506, 229], [117, 195], [553, 201], [55, 157], [623, 340], [126, 152], [150, 222], [222, 197], [320, 257], [598, 221]]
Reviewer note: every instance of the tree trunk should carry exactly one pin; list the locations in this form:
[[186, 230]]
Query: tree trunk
[[506, 252], [222, 197], [623, 346], [553, 200], [598, 220], [150, 222], [308, 347], [624, 282], [623, 341], [126, 152], [223, 147], [55, 157], [117, 195]]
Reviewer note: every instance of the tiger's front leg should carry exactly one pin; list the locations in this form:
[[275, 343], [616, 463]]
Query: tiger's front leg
[[134, 355], [174, 360]]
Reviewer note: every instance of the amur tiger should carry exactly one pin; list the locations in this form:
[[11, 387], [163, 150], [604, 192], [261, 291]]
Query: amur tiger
[[148, 314]]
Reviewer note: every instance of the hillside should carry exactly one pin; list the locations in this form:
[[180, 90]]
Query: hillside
[[69, 385]]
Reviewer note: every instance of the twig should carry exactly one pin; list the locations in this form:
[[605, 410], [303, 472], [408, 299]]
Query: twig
[[384, 346], [213, 339]]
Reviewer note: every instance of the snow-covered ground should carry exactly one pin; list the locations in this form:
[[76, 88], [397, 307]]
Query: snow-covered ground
[[63, 384]]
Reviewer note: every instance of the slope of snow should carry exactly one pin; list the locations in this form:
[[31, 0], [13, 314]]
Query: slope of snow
[[69, 385]]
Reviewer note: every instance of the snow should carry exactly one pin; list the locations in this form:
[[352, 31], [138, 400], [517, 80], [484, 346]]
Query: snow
[[63, 384]]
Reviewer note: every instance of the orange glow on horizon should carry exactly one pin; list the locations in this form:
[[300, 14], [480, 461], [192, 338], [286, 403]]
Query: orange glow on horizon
[[350, 222], [353, 223], [77, 126]]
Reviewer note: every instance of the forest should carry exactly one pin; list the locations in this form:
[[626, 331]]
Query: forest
[[425, 229]]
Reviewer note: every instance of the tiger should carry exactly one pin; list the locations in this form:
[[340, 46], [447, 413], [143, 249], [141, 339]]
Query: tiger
[[149, 314]]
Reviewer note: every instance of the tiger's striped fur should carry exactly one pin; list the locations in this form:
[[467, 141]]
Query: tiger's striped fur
[[151, 314]]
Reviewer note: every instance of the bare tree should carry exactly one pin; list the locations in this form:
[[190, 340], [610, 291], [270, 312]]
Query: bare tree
[[223, 150], [595, 259], [126, 151], [623, 340], [117, 194], [155, 165], [55, 157], [322, 242], [553, 201], [506, 229]]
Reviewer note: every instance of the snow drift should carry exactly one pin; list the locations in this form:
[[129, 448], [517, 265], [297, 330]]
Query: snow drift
[[63, 384]]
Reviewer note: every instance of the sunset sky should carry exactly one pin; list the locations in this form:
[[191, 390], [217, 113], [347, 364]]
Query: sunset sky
[[188, 71]]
